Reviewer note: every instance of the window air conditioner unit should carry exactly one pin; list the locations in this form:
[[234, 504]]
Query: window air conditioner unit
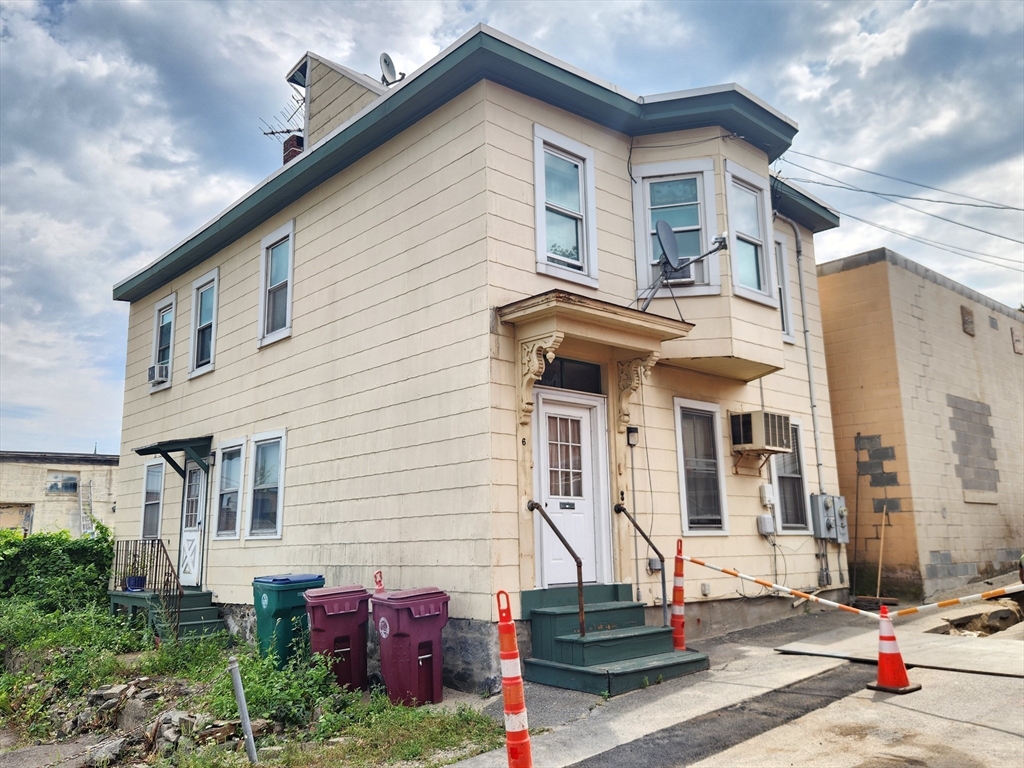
[[760, 432], [158, 374]]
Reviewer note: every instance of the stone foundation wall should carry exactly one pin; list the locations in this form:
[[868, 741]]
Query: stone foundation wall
[[240, 620]]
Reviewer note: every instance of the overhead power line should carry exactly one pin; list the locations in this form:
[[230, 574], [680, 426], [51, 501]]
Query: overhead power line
[[904, 197], [906, 181], [908, 207]]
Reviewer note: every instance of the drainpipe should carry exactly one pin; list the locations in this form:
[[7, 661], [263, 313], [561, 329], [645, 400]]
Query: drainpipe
[[807, 349]]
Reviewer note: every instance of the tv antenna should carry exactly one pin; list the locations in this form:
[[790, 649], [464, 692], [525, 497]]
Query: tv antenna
[[289, 120], [670, 261], [387, 68]]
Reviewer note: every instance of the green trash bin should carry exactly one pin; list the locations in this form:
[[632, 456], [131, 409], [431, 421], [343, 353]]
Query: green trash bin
[[278, 600]]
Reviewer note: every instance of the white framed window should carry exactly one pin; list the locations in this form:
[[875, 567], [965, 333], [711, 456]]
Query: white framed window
[[792, 503], [785, 298], [202, 347], [266, 485], [161, 364], [230, 473], [58, 481], [699, 447], [276, 265], [683, 194], [750, 235], [565, 207], [152, 499]]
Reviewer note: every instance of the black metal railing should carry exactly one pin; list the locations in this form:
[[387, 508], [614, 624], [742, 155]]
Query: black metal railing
[[533, 506], [144, 565], [621, 509]]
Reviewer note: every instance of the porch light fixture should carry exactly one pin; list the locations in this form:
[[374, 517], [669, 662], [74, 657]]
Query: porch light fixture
[[633, 436]]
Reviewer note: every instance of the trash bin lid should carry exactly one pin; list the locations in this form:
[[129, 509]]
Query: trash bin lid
[[425, 601], [287, 578], [352, 590]]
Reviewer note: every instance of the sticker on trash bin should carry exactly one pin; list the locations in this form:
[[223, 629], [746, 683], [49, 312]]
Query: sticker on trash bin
[[264, 600], [383, 628]]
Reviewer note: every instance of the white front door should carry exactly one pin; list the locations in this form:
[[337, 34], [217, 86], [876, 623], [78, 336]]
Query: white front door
[[571, 451], [193, 512]]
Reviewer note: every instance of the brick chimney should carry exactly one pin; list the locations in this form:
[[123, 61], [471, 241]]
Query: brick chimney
[[293, 147]]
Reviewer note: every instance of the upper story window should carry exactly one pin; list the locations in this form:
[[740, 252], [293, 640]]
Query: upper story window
[[750, 240], [61, 482], [681, 193], [701, 468], [785, 300], [566, 213], [204, 321], [276, 284], [163, 343]]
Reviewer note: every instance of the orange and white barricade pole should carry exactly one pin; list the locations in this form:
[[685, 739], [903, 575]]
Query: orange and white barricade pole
[[992, 593], [678, 620], [517, 732], [892, 673]]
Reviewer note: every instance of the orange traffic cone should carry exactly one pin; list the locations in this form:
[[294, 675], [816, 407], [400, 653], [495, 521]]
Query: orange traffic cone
[[892, 674], [678, 620], [517, 732]]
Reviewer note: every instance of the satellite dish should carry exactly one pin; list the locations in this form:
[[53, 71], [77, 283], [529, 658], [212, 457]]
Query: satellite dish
[[667, 238], [387, 68]]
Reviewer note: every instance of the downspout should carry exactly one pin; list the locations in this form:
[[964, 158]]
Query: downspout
[[807, 349]]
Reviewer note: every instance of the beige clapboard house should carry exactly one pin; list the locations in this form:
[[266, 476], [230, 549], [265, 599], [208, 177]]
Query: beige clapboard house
[[429, 318]]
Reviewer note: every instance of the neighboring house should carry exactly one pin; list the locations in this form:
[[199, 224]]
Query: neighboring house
[[928, 407], [56, 491], [427, 319]]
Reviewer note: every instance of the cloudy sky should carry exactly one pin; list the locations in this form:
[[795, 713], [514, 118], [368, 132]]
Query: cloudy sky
[[124, 126]]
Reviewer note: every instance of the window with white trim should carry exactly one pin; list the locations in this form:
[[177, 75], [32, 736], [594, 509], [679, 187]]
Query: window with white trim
[[701, 467], [750, 235], [159, 376], [785, 301], [791, 497], [566, 213], [230, 464], [152, 499], [204, 323], [266, 485], [276, 267], [683, 194]]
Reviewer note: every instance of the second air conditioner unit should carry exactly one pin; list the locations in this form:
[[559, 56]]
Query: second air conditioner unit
[[760, 432]]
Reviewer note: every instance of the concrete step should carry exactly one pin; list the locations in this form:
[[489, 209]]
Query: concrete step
[[617, 677], [612, 645]]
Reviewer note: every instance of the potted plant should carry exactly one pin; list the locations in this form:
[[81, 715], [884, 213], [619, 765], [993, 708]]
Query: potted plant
[[134, 574]]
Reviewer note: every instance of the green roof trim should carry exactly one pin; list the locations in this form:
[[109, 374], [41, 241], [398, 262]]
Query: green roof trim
[[798, 205], [483, 54]]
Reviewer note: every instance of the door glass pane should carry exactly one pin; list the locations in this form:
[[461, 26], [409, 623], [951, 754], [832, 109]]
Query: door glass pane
[[279, 263], [745, 217], [565, 452], [748, 264], [193, 490], [673, 191], [563, 236], [562, 182]]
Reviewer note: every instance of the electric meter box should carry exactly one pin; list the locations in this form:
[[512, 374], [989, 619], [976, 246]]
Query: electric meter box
[[830, 518]]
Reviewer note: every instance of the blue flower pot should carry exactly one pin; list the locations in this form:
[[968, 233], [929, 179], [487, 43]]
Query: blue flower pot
[[135, 583]]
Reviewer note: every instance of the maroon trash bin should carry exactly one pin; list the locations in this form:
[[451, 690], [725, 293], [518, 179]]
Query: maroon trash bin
[[409, 625], [337, 629]]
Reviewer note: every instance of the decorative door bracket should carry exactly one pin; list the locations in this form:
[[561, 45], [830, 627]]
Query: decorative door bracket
[[535, 354], [630, 372]]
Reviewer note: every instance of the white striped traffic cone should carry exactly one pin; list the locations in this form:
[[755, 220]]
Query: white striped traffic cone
[[517, 732], [678, 620], [892, 674]]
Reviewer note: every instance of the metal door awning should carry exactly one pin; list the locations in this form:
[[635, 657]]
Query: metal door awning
[[194, 448]]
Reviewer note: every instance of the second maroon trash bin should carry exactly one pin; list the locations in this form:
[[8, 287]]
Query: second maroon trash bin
[[409, 625], [337, 629]]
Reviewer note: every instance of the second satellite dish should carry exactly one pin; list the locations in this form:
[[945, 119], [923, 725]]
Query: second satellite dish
[[387, 68], [667, 239]]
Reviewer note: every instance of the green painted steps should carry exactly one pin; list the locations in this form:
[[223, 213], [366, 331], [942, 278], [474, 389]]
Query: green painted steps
[[612, 645], [199, 616], [548, 624], [617, 677]]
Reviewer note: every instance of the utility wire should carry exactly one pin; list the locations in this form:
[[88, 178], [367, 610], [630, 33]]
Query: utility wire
[[904, 197], [927, 242], [910, 207], [905, 181]]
